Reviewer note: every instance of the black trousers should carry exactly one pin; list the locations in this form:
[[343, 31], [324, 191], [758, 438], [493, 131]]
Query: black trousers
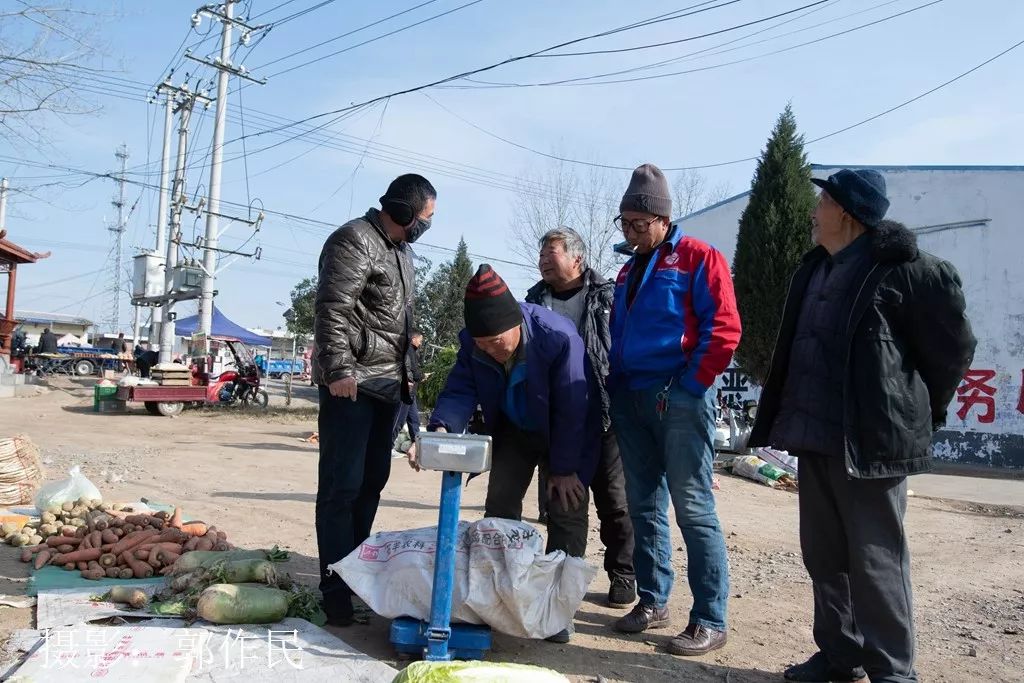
[[609, 490], [515, 455], [355, 463], [855, 550]]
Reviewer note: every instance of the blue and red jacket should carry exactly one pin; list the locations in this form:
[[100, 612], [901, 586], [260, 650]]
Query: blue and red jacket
[[682, 325]]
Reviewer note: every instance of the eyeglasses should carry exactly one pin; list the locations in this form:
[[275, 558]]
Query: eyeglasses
[[639, 226]]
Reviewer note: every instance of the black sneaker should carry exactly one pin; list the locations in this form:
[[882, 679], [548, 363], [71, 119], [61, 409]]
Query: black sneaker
[[818, 669], [339, 611], [622, 593], [562, 637], [642, 618]]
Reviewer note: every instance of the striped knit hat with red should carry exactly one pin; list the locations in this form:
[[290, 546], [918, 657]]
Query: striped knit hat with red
[[490, 307]]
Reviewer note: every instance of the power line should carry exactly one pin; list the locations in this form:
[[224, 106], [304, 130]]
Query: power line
[[325, 226], [735, 161], [713, 50], [345, 35], [647, 22], [40, 285], [373, 40], [613, 167], [918, 97], [273, 9], [650, 46], [301, 13], [590, 80]]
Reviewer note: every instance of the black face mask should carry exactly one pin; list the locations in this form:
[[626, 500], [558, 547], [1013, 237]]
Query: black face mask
[[416, 229]]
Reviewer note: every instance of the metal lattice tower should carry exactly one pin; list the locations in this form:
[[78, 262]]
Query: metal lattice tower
[[117, 249]]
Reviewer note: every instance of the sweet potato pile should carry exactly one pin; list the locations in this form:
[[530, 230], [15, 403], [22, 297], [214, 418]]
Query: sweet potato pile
[[121, 544]]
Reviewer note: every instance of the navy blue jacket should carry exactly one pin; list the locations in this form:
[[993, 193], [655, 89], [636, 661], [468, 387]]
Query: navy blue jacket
[[558, 397]]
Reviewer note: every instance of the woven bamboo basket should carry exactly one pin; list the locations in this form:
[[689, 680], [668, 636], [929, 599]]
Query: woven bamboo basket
[[21, 472]]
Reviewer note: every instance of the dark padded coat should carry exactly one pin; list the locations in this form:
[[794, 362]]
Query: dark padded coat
[[364, 305], [908, 345]]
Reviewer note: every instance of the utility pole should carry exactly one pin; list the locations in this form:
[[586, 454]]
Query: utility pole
[[226, 70], [170, 94], [173, 237], [3, 203], [118, 230]]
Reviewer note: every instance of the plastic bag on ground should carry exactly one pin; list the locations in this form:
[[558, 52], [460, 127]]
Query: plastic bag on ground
[[503, 578], [76, 486], [781, 459], [756, 469], [477, 672]]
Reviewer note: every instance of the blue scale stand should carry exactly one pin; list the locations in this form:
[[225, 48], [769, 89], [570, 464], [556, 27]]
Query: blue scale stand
[[440, 640]]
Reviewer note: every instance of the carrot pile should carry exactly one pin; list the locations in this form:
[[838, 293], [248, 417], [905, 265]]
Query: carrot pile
[[121, 544]]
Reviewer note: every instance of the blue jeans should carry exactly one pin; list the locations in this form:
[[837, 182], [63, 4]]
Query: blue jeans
[[671, 457]]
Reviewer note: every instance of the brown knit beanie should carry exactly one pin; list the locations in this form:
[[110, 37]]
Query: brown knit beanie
[[648, 192]]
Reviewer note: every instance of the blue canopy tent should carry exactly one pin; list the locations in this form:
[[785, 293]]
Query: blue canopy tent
[[221, 327]]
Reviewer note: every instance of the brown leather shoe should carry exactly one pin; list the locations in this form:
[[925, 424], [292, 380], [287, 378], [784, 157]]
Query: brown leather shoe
[[642, 618], [697, 640]]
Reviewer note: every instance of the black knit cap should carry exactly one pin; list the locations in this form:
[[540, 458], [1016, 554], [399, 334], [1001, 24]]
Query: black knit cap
[[490, 308], [648, 192]]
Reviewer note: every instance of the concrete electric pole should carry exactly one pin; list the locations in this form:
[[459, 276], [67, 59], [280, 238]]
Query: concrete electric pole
[[170, 94], [213, 212], [174, 227]]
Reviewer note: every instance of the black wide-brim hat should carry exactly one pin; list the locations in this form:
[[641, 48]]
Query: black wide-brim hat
[[861, 193]]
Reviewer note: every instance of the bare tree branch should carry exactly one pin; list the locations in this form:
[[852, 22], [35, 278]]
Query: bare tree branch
[[691, 192], [563, 195], [44, 47]]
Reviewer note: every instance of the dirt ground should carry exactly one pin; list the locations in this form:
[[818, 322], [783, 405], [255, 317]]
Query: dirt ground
[[253, 476]]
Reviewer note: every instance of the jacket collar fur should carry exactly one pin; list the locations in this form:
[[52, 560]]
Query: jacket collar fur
[[891, 242]]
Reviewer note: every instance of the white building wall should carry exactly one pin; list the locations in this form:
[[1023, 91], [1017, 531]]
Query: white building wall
[[974, 218]]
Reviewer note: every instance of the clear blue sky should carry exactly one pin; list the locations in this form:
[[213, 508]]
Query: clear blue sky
[[705, 117]]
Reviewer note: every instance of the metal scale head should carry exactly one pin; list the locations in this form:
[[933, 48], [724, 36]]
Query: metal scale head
[[468, 453]]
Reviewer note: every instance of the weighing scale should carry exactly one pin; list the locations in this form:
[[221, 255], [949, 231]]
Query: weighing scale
[[439, 640]]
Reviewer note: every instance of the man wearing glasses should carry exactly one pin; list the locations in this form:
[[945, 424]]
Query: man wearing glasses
[[674, 329]]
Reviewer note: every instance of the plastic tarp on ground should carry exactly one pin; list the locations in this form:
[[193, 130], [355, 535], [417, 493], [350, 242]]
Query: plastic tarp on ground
[[221, 327]]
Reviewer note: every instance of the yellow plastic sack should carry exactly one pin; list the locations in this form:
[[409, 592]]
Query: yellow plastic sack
[[477, 672]]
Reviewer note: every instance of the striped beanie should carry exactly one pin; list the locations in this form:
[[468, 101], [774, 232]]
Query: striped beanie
[[490, 308]]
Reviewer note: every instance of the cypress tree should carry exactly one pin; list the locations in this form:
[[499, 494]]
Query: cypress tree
[[774, 233]]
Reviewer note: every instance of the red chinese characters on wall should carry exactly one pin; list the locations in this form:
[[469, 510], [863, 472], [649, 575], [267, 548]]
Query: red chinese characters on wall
[[976, 392]]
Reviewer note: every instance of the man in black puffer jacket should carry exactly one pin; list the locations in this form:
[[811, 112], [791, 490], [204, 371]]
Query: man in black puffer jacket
[[572, 289], [363, 366], [873, 344]]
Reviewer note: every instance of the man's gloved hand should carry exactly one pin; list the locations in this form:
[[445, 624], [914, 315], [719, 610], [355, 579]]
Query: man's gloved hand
[[569, 488]]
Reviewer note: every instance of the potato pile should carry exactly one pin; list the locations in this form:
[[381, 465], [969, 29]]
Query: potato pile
[[53, 522], [112, 541]]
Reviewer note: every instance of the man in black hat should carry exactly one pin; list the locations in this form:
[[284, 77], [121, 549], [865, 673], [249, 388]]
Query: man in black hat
[[873, 344]]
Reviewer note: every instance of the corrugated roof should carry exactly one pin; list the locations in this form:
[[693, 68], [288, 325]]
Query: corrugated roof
[[41, 318]]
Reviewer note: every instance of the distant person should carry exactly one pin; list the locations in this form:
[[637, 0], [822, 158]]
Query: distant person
[[47, 342], [409, 413], [145, 359], [873, 344], [18, 341], [363, 303], [120, 346]]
